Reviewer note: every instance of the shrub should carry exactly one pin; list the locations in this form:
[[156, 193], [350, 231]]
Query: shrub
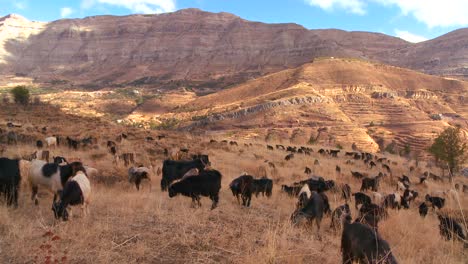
[[391, 148], [312, 140], [450, 147], [406, 150], [21, 94], [168, 123], [139, 101]]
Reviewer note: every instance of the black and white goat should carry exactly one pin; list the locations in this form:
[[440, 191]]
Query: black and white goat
[[77, 191], [51, 175]]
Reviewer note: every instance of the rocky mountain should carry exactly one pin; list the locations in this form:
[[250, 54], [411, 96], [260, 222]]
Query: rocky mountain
[[198, 49], [446, 55]]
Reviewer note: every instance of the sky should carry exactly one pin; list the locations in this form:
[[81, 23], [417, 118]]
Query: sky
[[412, 20]]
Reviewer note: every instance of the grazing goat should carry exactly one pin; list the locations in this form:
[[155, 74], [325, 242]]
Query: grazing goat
[[313, 210], [338, 216], [51, 141], [291, 190], [243, 186], [371, 214], [361, 198], [303, 196], [137, 174], [77, 191], [393, 201], [173, 170], [60, 160], [357, 175], [450, 229], [435, 201], [423, 209], [263, 186], [207, 183], [370, 183], [289, 156], [363, 244], [51, 175], [12, 173]]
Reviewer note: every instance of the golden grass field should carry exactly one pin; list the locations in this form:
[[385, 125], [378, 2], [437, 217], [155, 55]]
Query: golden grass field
[[146, 226]]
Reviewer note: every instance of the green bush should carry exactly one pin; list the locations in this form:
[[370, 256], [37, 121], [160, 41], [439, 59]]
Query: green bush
[[391, 148], [312, 140], [450, 148], [168, 123], [21, 94], [139, 101], [406, 150]]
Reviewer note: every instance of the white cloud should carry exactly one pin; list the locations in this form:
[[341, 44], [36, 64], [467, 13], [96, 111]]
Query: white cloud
[[352, 6], [434, 13], [409, 36], [20, 5], [65, 11], [137, 6], [85, 4]]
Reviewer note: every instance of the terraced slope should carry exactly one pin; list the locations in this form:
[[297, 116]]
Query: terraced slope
[[356, 101]]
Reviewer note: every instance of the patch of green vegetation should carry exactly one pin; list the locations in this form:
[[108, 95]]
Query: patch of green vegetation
[[450, 149], [406, 150], [58, 82], [312, 140], [391, 148], [200, 117], [21, 94], [166, 124], [34, 90], [139, 101]]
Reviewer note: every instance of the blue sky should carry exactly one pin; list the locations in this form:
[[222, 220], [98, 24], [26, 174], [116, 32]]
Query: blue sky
[[413, 20]]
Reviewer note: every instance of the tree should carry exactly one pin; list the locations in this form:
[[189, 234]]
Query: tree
[[449, 147], [405, 152], [391, 148], [20, 94]]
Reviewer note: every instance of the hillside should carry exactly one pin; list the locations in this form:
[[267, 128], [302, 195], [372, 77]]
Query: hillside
[[203, 50], [356, 101], [147, 226], [445, 55]]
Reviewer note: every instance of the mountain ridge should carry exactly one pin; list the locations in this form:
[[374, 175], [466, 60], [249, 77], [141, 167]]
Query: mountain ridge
[[201, 49]]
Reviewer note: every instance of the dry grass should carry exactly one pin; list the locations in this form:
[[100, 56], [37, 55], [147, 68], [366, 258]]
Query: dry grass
[[126, 226]]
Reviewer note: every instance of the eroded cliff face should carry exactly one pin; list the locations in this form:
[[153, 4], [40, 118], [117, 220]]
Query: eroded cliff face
[[445, 55], [185, 45], [14, 31], [188, 44], [196, 47]]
